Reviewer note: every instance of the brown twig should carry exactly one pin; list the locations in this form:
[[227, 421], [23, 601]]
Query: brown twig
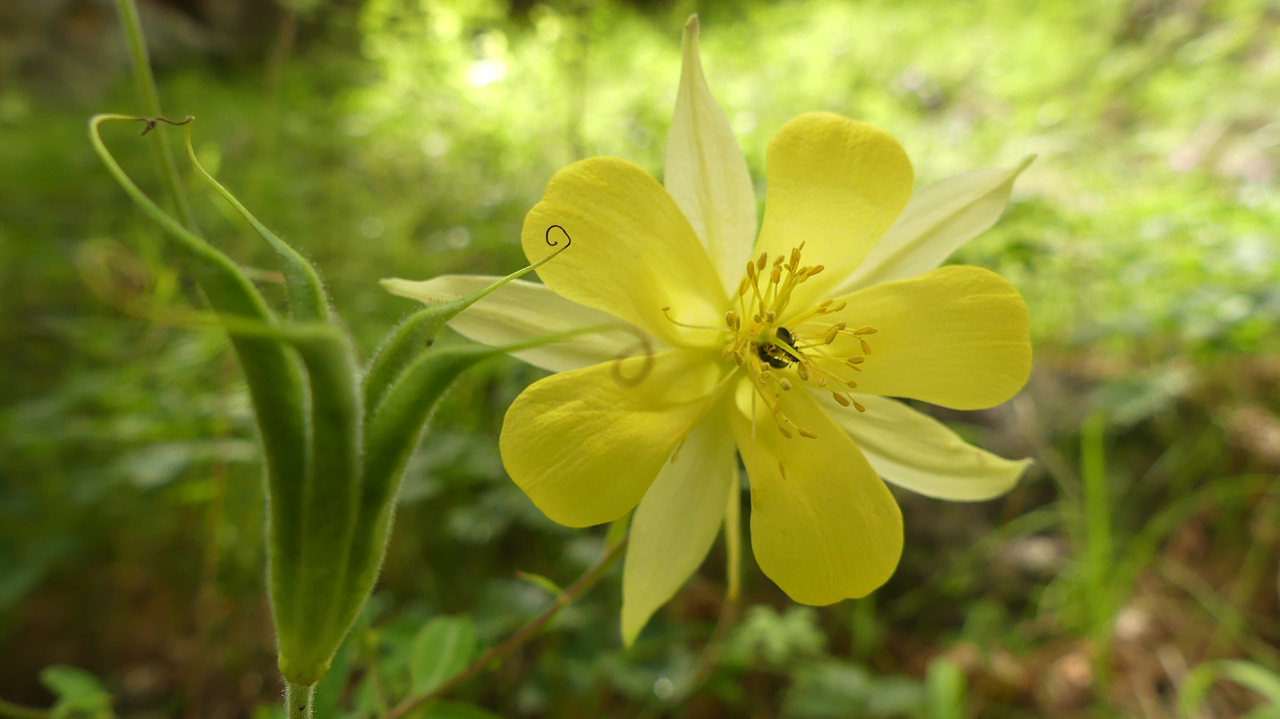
[[522, 635]]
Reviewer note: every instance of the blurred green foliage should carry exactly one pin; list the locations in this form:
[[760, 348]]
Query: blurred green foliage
[[403, 138]]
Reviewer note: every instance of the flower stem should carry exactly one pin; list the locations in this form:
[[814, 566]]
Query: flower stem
[[522, 635], [146, 85], [297, 700]]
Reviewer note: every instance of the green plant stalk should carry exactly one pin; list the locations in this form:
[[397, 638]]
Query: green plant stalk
[[146, 85], [1097, 508], [1098, 541], [297, 700]]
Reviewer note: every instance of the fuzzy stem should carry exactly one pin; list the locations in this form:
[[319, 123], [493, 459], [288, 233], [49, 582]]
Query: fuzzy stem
[[297, 700], [146, 84]]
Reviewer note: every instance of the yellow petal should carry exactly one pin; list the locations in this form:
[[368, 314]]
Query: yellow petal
[[823, 526], [677, 521], [633, 251], [936, 222], [706, 173], [520, 311], [586, 444], [919, 453], [835, 185], [956, 337]]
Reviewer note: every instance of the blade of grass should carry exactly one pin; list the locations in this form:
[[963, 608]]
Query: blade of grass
[[146, 85]]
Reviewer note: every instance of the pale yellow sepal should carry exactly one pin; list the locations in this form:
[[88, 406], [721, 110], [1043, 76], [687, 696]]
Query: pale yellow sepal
[[919, 453], [938, 220], [520, 311], [957, 336], [678, 520], [836, 185], [705, 172], [586, 444], [633, 251], [823, 525]]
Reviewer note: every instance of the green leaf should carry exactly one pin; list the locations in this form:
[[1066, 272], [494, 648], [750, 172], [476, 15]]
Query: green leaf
[[1254, 676], [1248, 674], [79, 693], [307, 299], [441, 651]]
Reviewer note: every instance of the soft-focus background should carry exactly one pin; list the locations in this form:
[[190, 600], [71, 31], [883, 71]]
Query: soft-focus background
[[409, 137]]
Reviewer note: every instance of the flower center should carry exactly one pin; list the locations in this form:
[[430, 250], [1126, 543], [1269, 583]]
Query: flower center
[[766, 350]]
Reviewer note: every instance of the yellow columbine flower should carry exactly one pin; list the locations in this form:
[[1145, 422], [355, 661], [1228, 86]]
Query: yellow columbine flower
[[785, 352]]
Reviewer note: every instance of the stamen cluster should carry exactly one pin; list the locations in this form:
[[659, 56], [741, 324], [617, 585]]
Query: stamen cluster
[[765, 349]]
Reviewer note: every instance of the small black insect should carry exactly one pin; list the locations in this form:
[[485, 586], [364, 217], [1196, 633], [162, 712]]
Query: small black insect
[[773, 354]]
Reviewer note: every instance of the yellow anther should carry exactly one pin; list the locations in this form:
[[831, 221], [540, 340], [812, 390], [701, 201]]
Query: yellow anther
[[751, 269], [839, 307], [742, 287], [851, 383], [785, 384], [786, 434], [762, 261], [825, 304], [777, 261], [770, 316], [855, 361], [831, 335], [731, 319], [865, 331], [782, 470], [866, 348], [776, 276], [858, 406], [839, 326], [806, 433], [803, 372], [815, 270], [841, 399], [667, 308], [822, 381]]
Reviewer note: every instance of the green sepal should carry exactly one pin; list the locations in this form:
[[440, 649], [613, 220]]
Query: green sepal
[[307, 299]]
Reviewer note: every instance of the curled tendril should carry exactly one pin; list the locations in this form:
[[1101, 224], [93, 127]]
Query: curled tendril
[[643, 345], [151, 122], [566, 236]]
